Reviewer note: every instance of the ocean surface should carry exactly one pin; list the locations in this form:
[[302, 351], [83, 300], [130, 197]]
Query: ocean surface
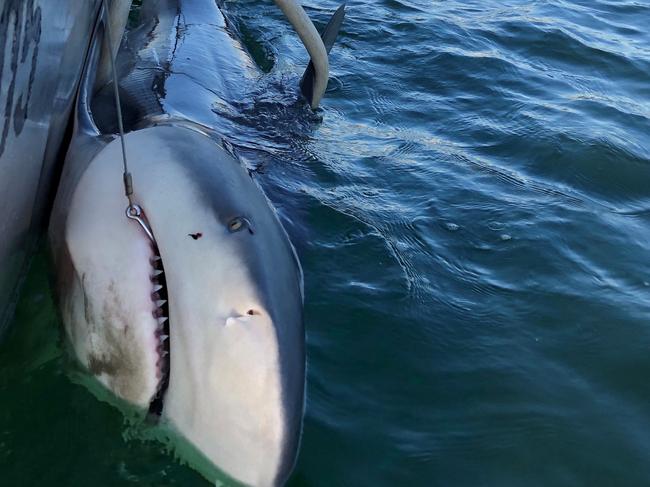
[[471, 206]]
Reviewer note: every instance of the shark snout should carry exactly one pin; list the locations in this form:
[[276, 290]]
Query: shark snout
[[206, 322]]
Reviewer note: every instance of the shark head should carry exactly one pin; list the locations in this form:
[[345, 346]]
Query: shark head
[[201, 325]]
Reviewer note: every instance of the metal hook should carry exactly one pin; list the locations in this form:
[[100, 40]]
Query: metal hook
[[134, 212]]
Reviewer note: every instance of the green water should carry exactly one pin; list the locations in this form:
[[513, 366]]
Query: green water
[[54, 431]]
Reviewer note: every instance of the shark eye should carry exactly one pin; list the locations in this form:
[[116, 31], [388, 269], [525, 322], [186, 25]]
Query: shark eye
[[235, 225], [239, 223]]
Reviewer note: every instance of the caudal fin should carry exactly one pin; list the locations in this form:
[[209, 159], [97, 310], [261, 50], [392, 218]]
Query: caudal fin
[[328, 36], [315, 79]]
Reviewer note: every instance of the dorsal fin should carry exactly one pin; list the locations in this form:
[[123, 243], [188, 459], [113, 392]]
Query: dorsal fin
[[328, 35]]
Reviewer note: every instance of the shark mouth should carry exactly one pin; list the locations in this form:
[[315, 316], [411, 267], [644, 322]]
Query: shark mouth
[[160, 300]]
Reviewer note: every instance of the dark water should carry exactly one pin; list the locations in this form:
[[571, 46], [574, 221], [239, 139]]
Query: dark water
[[473, 218]]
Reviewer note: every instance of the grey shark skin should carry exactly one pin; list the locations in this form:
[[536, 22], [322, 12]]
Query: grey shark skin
[[236, 374]]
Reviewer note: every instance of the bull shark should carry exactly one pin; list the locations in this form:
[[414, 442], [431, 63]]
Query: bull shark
[[194, 313]]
